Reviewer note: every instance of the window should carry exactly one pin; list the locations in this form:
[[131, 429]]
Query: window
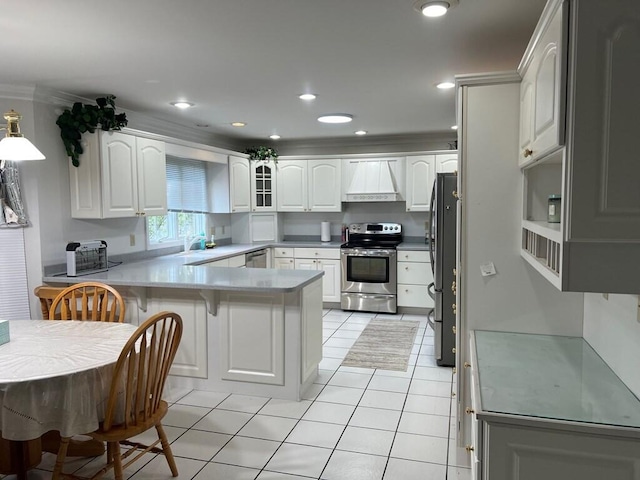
[[186, 203]]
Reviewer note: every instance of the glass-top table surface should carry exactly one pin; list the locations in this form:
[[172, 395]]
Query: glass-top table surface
[[554, 377]]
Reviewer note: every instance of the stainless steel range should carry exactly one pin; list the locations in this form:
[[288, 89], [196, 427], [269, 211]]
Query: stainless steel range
[[369, 268]]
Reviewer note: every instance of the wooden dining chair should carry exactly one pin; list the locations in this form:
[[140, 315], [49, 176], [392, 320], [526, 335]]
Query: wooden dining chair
[[135, 398], [47, 294], [88, 301]]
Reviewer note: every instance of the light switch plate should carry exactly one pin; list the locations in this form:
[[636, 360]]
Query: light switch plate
[[488, 269]]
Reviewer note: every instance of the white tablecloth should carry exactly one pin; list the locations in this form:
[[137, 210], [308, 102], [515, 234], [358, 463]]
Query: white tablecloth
[[55, 375]]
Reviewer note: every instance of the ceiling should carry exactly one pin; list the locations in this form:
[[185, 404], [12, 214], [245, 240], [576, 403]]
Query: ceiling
[[248, 60]]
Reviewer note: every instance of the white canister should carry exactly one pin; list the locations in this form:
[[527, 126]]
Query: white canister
[[325, 231]]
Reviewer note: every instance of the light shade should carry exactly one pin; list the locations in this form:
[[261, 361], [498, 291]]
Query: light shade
[[336, 118], [19, 148]]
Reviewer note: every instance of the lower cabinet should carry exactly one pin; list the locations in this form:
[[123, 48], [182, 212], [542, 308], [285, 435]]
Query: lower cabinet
[[191, 358], [326, 259], [414, 275], [252, 327]]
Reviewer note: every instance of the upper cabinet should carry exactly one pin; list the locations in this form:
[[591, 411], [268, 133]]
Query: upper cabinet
[[120, 175], [596, 245], [421, 171], [542, 91], [263, 185], [309, 185], [239, 184]]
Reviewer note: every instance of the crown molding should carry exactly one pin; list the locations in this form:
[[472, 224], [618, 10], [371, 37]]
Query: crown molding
[[17, 92]]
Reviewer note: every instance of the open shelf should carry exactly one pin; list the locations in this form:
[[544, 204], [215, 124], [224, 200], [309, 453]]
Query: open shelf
[[552, 231]]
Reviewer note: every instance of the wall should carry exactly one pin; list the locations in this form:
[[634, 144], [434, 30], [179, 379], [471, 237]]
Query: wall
[[413, 223], [612, 328], [517, 298]]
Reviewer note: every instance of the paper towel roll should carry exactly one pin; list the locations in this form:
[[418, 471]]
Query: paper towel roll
[[325, 231]]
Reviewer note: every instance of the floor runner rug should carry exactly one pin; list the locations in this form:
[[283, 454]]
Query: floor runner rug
[[384, 344]]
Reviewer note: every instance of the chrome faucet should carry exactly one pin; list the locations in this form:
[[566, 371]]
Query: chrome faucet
[[188, 243]]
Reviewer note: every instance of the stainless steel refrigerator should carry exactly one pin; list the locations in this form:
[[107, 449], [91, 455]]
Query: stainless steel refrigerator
[[443, 262]]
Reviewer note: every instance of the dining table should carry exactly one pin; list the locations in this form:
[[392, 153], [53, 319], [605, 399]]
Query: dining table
[[55, 376]]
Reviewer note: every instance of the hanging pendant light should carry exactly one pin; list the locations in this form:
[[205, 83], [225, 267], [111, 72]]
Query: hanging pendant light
[[14, 146]]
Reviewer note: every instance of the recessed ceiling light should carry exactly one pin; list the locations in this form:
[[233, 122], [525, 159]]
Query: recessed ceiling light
[[238, 124], [434, 8], [360, 132], [454, 127], [274, 137], [307, 96], [335, 118], [182, 104], [446, 85]]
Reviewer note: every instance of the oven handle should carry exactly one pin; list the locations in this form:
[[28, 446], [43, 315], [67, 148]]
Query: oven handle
[[431, 319]]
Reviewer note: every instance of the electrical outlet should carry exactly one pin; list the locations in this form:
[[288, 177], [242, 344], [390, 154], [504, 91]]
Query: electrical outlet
[[132, 240]]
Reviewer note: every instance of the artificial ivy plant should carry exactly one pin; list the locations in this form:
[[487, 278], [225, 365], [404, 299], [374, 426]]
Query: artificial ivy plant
[[262, 153], [83, 118]]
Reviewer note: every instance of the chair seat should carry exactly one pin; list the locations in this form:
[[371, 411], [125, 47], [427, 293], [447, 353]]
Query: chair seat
[[122, 432]]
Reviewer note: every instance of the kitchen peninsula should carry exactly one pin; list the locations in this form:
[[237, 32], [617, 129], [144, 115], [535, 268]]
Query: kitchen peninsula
[[246, 330]]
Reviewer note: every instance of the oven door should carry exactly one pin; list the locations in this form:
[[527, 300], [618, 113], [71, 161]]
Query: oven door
[[369, 271]]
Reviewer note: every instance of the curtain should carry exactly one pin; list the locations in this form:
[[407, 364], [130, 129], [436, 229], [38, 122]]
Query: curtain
[[13, 213]]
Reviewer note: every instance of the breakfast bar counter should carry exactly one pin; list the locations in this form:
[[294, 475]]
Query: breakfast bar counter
[[253, 331]]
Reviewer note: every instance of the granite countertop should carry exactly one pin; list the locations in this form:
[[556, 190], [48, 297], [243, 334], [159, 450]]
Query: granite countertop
[[190, 271]]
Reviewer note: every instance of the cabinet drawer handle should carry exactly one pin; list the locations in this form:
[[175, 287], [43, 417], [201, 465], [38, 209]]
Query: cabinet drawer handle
[[528, 152], [469, 448], [469, 410]]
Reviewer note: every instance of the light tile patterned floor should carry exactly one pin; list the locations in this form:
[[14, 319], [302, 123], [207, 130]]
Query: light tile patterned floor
[[355, 424]]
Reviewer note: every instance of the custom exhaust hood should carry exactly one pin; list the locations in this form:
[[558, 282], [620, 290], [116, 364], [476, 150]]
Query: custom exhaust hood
[[372, 181]]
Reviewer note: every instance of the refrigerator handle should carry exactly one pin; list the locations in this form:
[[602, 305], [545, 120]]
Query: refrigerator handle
[[430, 320], [432, 240]]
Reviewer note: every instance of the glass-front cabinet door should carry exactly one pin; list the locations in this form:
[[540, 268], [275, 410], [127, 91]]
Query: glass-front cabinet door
[[263, 186]]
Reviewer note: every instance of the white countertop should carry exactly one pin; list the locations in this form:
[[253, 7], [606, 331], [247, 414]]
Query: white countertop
[[189, 271]]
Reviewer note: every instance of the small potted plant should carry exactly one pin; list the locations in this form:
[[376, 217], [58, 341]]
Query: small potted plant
[[262, 153], [82, 118]]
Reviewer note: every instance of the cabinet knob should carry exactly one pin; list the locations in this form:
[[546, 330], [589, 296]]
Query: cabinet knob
[[528, 152], [406, 268], [143, 213], [469, 448], [469, 410], [453, 350], [467, 364], [406, 290]]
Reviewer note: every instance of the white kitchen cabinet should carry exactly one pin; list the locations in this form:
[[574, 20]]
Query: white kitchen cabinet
[[253, 327], [326, 259], [239, 184], [191, 358], [263, 185], [542, 91], [446, 163], [414, 275], [421, 172], [600, 218], [309, 185], [283, 258], [548, 417], [120, 175]]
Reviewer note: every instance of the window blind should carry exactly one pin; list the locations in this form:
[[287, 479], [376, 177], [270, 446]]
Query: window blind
[[186, 185]]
